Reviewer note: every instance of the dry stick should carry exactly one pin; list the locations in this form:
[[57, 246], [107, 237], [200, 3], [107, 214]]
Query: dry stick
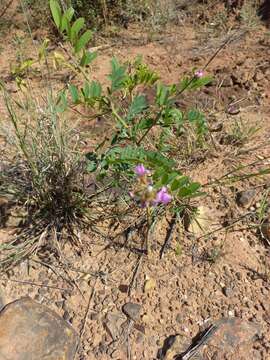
[[74, 282], [38, 285], [226, 227], [71, 282], [135, 273], [217, 181], [97, 274], [202, 340], [130, 326], [86, 316], [6, 8], [88, 309], [244, 151], [53, 270], [169, 236]]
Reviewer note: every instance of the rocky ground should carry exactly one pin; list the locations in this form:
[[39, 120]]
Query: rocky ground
[[214, 280]]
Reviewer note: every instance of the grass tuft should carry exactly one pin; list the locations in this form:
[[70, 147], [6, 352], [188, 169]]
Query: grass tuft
[[46, 176]]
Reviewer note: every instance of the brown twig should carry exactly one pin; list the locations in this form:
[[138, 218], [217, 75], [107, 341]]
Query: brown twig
[[24, 282], [6, 8], [198, 343], [169, 236], [92, 293], [135, 273]]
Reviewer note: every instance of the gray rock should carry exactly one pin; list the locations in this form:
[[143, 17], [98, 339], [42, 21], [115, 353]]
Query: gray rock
[[114, 324], [244, 198], [232, 339], [265, 229], [2, 299], [132, 310], [29, 330], [227, 291]]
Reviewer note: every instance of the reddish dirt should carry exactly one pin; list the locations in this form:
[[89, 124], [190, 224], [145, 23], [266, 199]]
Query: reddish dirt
[[225, 272]]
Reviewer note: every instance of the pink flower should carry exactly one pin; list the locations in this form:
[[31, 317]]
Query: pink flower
[[140, 170], [131, 194], [163, 197], [199, 74]]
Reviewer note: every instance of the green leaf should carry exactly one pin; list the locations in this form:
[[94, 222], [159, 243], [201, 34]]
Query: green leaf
[[92, 91], [87, 58], [92, 161], [138, 105], [65, 26], [65, 22], [162, 94], [74, 93], [134, 155], [145, 124], [178, 183], [118, 75], [164, 179], [56, 12], [95, 89], [189, 190], [69, 13], [194, 83], [175, 117], [75, 29], [193, 115], [200, 82], [62, 103], [83, 41]]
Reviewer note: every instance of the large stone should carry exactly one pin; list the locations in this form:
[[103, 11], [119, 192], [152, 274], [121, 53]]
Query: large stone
[[114, 324], [200, 223], [2, 300], [244, 198], [132, 310], [30, 331], [232, 338]]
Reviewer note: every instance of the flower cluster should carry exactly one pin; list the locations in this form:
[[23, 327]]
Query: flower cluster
[[199, 74], [145, 193]]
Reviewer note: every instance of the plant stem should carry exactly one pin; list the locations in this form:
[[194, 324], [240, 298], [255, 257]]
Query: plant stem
[[148, 216], [150, 128]]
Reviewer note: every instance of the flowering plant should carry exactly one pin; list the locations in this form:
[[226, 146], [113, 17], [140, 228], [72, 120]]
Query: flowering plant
[[145, 193]]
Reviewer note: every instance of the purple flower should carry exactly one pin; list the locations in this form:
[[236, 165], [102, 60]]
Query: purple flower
[[199, 74], [140, 170], [163, 197]]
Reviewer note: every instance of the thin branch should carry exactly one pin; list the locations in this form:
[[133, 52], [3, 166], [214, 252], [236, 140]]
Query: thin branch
[[24, 282], [169, 236], [6, 8], [135, 273]]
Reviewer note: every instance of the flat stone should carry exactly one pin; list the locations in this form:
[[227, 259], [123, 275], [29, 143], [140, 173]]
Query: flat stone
[[132, 310], [244, 198], [29, 330], [2, 299], [227, 291], [149, 285], [114, 324], [265, 229], [232, 339], [201, 221]]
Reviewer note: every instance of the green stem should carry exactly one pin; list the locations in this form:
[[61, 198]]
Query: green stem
[[118, 117], [150, 128]]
